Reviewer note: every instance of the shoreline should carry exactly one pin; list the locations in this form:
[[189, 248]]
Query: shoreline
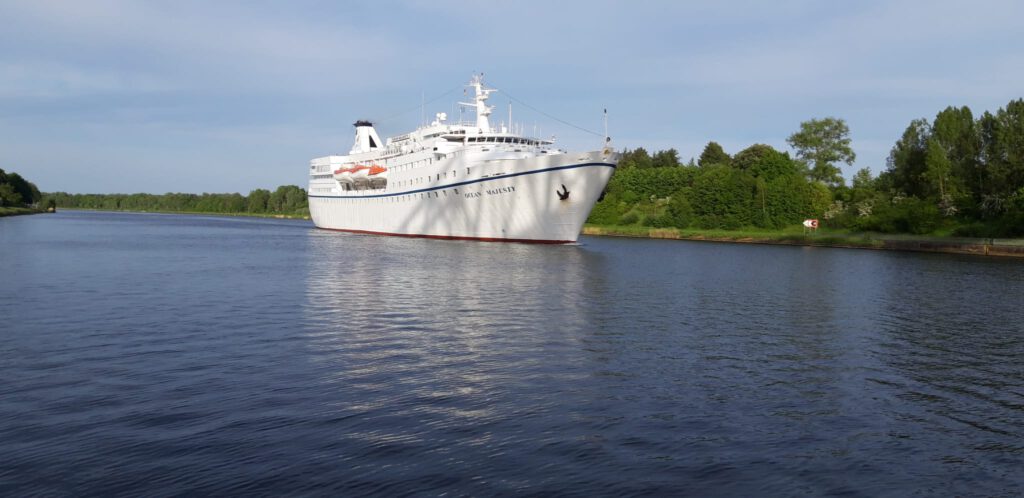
[[278, 216], [1010, 248], [1013, 248], [19, 211]]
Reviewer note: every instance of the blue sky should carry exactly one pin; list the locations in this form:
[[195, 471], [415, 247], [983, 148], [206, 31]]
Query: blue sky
[[135, 96]]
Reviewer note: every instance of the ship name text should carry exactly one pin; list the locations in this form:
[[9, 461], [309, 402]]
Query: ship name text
[[493, 191]]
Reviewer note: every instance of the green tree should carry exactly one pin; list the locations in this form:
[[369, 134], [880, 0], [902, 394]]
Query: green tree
[[234, 203], [296, 199], [608, 210], [821, 143], [863, 194], [713, 154], [906, 161], [287, 199], [8, 196], [679, 212], [821, 198], [773, 164], [957, 132], [27, 190], [722, 197], [937, 167], [748, 158], [862, 179], [636, 158], [787, 200], [1011, 144], [665, 159], [257, 201]]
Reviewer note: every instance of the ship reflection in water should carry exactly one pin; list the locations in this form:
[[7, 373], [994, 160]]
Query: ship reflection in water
[[629, 366], [217, 356], [446, 318]]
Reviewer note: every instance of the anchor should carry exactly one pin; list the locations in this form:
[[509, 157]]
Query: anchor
[[564, 195]]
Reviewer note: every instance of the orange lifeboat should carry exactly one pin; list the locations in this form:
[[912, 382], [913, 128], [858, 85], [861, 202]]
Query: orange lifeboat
[[343, 175], [378, 176], [359, 172]]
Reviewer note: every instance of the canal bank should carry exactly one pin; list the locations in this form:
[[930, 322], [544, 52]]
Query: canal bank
[[278, 216], [948, 245], [18, 211]]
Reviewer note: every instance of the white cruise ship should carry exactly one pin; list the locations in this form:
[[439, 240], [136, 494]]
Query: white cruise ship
[[459, 181]]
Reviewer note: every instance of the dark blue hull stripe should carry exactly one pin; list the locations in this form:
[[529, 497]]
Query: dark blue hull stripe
[[467, 182]]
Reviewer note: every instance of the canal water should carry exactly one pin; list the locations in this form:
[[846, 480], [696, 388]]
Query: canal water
[[152, 355]]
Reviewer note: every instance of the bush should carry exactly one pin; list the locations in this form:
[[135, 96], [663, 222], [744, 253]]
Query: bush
[[629, 218], [608, 210], [679, 213], [1009, 226], [976, 229], [722, 197], [909, 215]]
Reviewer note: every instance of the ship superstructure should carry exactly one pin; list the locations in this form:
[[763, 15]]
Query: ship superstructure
[[459, 181]]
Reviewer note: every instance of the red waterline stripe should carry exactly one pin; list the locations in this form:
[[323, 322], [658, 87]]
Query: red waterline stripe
[[450, 237]]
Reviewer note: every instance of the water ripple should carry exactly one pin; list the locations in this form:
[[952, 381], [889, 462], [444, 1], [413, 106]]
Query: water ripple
[[169, 355]]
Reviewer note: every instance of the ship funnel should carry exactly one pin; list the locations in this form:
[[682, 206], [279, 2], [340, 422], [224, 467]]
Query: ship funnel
[[367, 139]]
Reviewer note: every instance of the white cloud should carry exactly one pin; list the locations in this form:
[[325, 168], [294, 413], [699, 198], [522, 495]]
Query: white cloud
[[217, 76]]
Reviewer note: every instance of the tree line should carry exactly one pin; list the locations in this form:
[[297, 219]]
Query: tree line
[[16, 191], [758, 187], [286, 199], [953, 175]]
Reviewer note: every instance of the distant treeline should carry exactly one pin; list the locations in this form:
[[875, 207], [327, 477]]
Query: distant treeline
[[955, 175], [759, 187], [16, 191], [287, 199]]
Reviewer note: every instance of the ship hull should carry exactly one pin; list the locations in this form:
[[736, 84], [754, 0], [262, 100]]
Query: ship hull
[[535, 200]]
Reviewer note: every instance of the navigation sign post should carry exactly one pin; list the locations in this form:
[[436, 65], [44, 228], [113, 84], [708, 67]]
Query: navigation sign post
[[811, 225]]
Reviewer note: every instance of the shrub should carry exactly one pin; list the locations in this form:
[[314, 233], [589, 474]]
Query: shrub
[[909, 215], [629, 218]]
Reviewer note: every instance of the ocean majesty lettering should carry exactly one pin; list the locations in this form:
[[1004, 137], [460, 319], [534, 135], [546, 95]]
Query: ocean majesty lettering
[[492, 191]]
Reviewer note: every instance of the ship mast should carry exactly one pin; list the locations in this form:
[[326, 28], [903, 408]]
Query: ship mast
[[480, 103]]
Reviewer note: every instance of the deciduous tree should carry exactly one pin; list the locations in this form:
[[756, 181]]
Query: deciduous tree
[[822, 143], [713, 154]]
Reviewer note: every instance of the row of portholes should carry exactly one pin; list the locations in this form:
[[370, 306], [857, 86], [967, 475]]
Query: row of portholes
[[423, 179], [408, 166]]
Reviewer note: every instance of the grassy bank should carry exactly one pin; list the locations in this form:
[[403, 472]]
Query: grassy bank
[[823, 238], [279, 216], [15, 211]]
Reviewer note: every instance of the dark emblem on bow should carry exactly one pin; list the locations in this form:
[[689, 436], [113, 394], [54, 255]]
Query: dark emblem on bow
[[564, 194]]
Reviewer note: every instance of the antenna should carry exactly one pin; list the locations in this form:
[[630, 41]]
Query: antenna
[[423, 108], [510, 126], [606, 138]]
